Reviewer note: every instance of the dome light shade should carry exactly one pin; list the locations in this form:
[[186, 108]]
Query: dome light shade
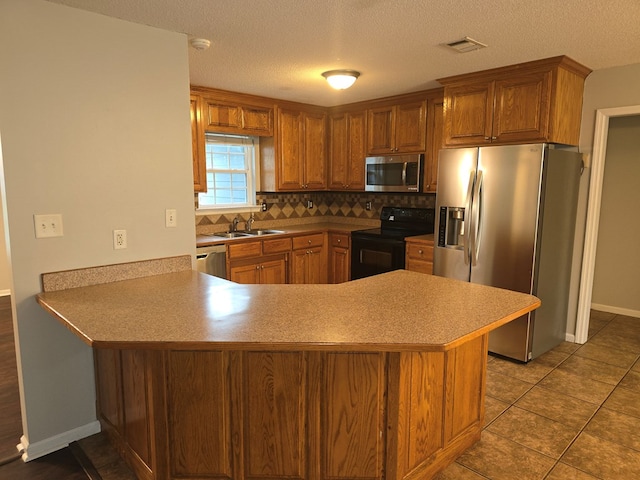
[[341, 79]]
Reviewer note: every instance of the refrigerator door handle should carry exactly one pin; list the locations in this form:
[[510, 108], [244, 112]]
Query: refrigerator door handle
[[477, 214], [466, 224]]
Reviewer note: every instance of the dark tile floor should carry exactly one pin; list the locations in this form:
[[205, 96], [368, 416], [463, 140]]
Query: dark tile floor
[[571, 414]]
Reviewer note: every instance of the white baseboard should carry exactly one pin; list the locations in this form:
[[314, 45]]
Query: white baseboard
[[617, 310], [570, 337], [31, 451], [5, 293]]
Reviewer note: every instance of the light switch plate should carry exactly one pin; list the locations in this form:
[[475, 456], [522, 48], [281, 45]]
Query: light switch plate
[[47, 226], [171, 217]]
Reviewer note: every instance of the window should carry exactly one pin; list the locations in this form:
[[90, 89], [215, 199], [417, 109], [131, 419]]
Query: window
[[230, 161]]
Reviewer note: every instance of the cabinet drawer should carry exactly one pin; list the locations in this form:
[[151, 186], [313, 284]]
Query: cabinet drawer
[[420, 252], [339, 240], [241, 250], [419, 266], [276, 245], [305, 241]]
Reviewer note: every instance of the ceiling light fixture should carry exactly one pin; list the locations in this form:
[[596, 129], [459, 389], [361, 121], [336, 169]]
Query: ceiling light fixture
[[467, 44], [200, 43], [341, 79]]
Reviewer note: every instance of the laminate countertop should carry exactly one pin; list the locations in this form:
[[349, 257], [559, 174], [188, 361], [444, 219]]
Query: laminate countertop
[[188, 310]]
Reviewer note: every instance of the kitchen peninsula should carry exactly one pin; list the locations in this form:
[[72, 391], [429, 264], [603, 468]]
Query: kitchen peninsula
[[198, 377]]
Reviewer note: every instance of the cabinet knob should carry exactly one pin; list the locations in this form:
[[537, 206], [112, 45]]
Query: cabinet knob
[[487, 138], [257, 267], [420, 252], [262, 267], [494, 138], [309, 241], [339, 240]]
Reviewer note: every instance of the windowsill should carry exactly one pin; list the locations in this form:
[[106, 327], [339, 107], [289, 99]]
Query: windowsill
[[223, 210]]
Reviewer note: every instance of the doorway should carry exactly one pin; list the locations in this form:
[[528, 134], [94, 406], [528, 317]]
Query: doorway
[[593, 214]]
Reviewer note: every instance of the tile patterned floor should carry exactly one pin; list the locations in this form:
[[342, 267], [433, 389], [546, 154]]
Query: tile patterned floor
[[571, 414]]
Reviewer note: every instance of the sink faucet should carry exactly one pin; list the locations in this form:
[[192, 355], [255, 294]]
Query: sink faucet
[[234, 224], [249, 223]]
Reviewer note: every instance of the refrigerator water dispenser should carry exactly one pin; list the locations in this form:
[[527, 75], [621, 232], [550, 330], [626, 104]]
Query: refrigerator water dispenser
[[451, 227]]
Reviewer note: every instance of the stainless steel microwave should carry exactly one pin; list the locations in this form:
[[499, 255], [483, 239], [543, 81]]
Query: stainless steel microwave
[[393, 173]]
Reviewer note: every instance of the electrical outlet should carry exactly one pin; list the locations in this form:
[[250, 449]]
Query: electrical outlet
[[119, 239], [48, 225], [309, 203], [367, 206], [171, 217], [264, 206]]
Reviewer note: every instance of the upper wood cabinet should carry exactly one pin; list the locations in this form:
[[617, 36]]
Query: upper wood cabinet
[[347, 150], [229, 116], [435, 120], [397, 128], [197, 147], [538, 101], [295, 158]]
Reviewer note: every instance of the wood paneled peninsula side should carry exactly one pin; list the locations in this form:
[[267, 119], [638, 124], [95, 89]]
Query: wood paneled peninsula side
[[201, 378]]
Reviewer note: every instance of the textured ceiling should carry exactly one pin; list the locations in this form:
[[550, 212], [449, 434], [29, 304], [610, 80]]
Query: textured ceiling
[[279, 48]]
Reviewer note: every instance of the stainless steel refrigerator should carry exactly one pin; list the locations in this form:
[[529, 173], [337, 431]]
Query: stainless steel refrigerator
[[505, 217]]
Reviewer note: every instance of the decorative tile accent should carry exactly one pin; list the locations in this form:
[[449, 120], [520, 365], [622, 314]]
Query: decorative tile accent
[[326, 206]]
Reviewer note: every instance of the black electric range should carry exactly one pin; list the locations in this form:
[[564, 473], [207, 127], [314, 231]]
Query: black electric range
[[379, 250]]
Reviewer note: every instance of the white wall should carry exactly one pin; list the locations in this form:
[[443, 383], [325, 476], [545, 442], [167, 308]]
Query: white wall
[[607, 88], [617, 267], [94, 121]]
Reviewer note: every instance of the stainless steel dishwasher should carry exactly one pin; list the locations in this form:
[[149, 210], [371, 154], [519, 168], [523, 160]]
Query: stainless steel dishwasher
[[212, 260]]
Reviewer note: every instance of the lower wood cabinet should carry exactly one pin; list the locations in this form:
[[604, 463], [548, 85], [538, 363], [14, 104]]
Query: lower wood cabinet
[[309, 259], [339, 257], [263, 261], [419, 255], [295, 414]]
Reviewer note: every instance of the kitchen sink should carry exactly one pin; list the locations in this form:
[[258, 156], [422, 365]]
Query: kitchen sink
[[263, 232], [230, 234]]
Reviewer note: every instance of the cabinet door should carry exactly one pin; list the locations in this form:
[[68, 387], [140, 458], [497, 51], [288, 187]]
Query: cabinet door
[[273, 271], [316, 266], [338, 151], [257, 120], [434, 144], [468, 114], [245, 274], [197, 147], [380, 128], [521, 112], [289, 150], [315, 151], [356, 150], [410, 127], [222, 116], [299, 266], [339, 265]]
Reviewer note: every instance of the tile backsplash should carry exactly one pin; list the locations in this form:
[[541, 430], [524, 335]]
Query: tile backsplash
[[287, 208]]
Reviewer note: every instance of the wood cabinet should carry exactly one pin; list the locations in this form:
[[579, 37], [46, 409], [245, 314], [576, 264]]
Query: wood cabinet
[[347, 150], [339, 257], [295, 158], [308, 413], [259, 262], [419, 255], [227, 116], [197, 147], [309, 259], [397, 128], [435, 121], [538, 101]]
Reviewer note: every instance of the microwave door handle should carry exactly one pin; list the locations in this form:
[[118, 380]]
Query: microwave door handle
[[404, 173]]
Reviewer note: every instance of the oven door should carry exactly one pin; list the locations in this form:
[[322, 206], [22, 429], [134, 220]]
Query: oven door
[[371, 256]]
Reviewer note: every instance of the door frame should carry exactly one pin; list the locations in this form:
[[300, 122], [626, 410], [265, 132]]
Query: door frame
[[600, 137]]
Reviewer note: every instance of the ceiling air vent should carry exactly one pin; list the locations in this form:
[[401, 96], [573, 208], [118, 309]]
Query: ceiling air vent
[[465, 45]]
